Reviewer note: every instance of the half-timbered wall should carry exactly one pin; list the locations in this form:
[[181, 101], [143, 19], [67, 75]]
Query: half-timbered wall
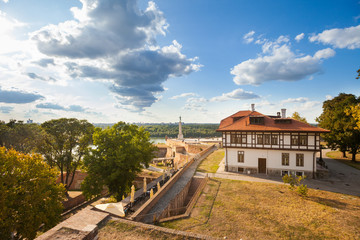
[[272, 140]]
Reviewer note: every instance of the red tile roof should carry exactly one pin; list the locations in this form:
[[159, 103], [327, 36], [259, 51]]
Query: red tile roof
[[240, 121]]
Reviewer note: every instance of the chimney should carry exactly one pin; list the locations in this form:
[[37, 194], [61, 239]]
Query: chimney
[[283, 113], [278, 114], [252, 107]]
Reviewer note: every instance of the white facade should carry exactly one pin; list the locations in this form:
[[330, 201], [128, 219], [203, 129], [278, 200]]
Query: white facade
[[274, 163]]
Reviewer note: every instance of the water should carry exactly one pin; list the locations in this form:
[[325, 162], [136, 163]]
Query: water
[[158, 140]]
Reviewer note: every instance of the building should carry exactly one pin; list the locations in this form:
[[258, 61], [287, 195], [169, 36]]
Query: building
[[274, 145]]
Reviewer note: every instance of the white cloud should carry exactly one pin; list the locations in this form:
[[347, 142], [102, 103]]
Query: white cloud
[[183, 95], [328, 97], [249, 37], [339, 37], [115, 42], [299, 37], [5, 1], [278, 62], [295, 100], [237, 94]]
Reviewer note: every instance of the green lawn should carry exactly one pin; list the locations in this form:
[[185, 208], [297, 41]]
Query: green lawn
[[211, 163], [249, 210], [339, 156]]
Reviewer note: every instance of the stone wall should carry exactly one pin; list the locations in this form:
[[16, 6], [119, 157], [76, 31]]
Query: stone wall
[[78, 178]]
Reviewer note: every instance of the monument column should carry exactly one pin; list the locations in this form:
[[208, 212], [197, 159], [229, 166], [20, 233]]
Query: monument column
[[180, 135]]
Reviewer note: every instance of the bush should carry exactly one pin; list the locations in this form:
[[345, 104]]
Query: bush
[[296, 181]]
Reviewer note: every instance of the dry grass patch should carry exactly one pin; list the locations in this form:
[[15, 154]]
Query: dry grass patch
[[247, 210], [122, 231], [339, 156], [211, 163]]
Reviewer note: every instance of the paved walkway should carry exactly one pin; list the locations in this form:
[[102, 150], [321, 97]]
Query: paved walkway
[[176, 188], [342, 179]]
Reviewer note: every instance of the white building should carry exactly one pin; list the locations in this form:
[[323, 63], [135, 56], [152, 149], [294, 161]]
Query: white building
[[274, 145]]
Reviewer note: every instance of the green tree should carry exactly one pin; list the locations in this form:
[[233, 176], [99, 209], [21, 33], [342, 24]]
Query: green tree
[[119, 155], [358, 76], [344, 135], [29, 195], [297, 116], [22, 137], [65, 144]]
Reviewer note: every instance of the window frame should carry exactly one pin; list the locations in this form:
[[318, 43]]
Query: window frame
[[267, 139], [240, 156], [294, 140], [283, 160], [303, 140], [276, 138], [260, 137], [300, 160]]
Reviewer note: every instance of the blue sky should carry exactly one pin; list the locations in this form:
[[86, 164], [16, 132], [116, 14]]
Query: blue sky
[[151, 61]]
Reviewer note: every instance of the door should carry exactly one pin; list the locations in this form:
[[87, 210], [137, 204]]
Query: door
[[262, 165]]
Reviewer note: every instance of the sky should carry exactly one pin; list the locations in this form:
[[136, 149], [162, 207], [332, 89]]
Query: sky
[[153, 61]]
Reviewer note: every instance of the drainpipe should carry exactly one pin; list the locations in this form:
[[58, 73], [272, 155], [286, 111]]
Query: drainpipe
[[226, 159], [314, 162]]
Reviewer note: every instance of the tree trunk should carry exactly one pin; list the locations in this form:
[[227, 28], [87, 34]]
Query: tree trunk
[[344, 154], [353, 157]]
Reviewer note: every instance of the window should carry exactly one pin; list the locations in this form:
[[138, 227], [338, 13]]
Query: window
[[240, 156], [294, 140], [257, 120], [283, 173], [240, 169], [260, 139], [274, 139], [299, 160], [299, 174], [285, 159], [303, 140], [267, 139], [238, 137], [243, 137]]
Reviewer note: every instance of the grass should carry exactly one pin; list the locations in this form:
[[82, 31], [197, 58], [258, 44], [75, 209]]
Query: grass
[[339, 156], [249, 210], [211, 163], [122, 231]]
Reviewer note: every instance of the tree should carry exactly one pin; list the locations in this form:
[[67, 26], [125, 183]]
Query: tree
[[119, 155], [297, 116], [65, 144], [22, 137], [29, 195], [344, 135], [358, 71]]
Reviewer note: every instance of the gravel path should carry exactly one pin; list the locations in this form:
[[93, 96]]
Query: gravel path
[[176, 188]]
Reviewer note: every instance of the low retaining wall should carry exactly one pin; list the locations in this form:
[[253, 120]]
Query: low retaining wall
[[168, 214], [144, 209]]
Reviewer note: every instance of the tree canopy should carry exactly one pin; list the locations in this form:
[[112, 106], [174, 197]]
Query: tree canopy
[[29, 195], [65, 144], [297, 116], [22, 137], [119, 154], [336, 117]]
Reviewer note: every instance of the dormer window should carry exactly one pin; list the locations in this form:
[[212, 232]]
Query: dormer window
[[283, 120], [257, 120]]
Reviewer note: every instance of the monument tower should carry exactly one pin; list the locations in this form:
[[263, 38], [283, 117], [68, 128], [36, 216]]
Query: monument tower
[[180, 135]]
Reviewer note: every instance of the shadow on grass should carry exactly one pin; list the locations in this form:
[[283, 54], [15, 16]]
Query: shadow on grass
[[329, 202]]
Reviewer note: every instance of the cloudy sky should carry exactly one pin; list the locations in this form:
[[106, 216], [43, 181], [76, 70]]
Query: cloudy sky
[[151, 61]]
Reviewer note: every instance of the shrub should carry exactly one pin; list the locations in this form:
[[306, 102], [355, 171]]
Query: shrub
[[296, 181]]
